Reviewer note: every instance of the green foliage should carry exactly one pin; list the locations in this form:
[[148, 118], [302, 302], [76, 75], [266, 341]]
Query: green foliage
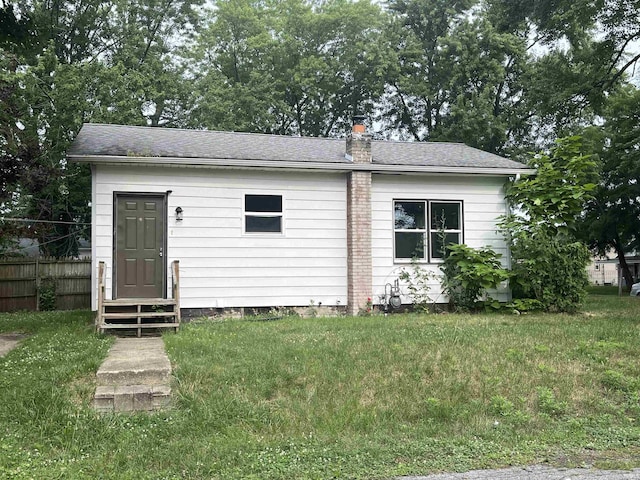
[[62, 64], [611, 220], [47, 295], [619, 381], [455, 77], [553, 198], [469, 273], [424, 69], [549, 404], [548, 265], [289, 66], [525, 305], [367, 310], [417, 281], [550, 270]]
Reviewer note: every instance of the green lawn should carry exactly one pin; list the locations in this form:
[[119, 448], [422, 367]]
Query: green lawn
[[607, 290], [369, 397]]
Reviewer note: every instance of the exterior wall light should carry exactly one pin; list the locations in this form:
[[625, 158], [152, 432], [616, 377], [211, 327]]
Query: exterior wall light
[[178, 214]]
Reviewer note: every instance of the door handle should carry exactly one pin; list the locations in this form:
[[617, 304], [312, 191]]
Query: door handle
[[160, 252]]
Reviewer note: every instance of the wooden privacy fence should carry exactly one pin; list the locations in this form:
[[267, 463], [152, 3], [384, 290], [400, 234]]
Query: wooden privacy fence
[[44, 283]]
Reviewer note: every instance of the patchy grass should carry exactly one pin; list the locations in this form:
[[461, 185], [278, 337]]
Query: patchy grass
[[607, 290], [369, 397]]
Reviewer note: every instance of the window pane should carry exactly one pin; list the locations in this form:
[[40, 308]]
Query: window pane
[[445, 216], [436, 242], [409, 215], [409, 245], [263, 224], [263, 203]]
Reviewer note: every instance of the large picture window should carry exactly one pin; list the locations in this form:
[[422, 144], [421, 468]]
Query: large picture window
[[421, 227], [263, 213]]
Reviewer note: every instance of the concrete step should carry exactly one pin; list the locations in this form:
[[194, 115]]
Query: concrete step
[[131, 398], [135, 376], [135, 361]]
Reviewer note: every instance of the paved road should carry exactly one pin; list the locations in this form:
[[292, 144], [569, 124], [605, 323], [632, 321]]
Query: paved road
[[537, 472]]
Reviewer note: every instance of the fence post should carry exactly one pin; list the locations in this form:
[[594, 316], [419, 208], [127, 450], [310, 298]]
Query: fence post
[[37, 283]]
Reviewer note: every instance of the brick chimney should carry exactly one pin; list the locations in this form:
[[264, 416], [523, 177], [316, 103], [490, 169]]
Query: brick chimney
[[359, 142], [359, 267]]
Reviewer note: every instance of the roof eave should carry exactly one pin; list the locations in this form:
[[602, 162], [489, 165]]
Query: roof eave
[[293, 165]]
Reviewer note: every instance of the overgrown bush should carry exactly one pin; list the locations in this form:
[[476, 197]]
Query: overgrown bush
[[551, 270], [548, 264], [469, 273]]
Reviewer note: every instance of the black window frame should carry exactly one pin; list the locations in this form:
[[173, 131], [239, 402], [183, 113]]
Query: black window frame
[[262, 214], [428, 230]]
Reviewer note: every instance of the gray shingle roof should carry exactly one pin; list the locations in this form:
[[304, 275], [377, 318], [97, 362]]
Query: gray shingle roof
[[130, 141]]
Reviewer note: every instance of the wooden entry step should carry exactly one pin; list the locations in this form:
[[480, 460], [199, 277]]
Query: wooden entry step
[[140, 301], [135, 315], [138, 314]]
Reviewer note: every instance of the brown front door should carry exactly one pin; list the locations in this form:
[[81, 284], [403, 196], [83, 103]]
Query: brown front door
[[140, 230]]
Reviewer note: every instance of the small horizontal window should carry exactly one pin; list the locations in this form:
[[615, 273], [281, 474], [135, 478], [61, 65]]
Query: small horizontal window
[[263, 203], [263, 213], [263, 224]]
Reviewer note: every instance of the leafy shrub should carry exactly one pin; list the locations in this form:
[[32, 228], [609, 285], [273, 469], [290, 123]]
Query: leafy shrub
[[550, 270], [548, 265], [469, 273], [417, 282]]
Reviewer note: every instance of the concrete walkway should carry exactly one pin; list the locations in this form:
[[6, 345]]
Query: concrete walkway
[[9, 341], [536, 472], [135, 376]]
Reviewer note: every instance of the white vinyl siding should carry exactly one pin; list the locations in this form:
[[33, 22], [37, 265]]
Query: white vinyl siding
[[482, 199], [222, 267]]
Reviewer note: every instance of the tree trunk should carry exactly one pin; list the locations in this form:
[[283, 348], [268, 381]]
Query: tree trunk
[[626, 273]]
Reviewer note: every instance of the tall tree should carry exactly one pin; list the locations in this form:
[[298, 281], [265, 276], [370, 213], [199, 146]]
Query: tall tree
[[612, 218], [289, 66], [581, 52], [453, 76], [65, 62]]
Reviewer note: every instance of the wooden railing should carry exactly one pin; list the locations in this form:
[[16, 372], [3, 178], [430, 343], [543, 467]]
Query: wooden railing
[[99, 318], [175, 286]]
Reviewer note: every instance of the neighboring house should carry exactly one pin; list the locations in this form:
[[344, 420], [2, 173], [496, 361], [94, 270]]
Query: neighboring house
[[604, 270], [30, 247], [267, 221], [24, 247]]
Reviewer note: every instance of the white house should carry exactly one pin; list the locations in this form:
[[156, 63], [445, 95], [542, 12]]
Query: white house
[[267, 221], [605, 270]]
